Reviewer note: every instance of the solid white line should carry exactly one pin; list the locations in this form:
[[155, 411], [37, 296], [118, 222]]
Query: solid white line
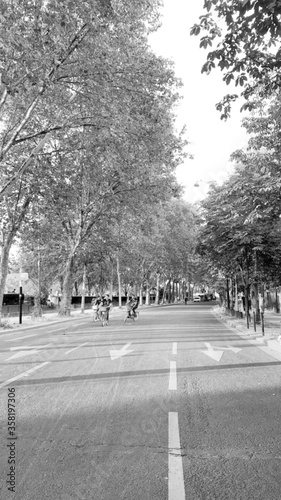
[[173, 376], [20, 338], [175, 347], [77, 347], [176, 489], [24, 374]]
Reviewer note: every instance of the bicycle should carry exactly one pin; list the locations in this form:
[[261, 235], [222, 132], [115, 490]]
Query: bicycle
[[130, 314], [96, 314], [103, 316]]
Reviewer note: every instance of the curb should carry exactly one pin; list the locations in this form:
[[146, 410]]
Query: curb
[[273, 344]]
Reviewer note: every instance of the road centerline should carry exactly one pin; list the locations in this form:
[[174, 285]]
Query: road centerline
[[173, 376], [176, 490]]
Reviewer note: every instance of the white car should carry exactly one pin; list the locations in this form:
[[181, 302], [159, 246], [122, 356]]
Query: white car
[[196, 298]]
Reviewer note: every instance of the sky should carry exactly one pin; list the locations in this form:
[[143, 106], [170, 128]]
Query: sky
[[211, 140]]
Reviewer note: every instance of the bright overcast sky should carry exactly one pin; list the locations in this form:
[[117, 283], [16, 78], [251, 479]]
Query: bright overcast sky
[[212, 140]]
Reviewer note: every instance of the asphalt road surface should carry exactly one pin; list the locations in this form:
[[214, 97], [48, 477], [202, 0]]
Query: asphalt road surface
[[174, 406]]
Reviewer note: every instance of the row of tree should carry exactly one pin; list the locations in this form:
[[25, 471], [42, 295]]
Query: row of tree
[[88, 144], [241, 225], [153, 251]]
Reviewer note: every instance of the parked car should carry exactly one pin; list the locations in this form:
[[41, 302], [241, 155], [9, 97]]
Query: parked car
[[196, 298]]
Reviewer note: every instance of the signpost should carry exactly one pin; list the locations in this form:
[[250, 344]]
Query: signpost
[[19, 277]]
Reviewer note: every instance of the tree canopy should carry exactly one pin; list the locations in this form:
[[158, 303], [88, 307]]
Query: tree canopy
[[246, 39], [87, 130]]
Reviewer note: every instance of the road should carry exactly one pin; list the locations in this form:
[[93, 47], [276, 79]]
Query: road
[[175, 406]]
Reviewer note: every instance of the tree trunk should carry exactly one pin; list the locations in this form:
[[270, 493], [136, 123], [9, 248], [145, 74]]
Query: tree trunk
[[227, 294], [184, 290], [4, 260], [119, 282], [236, 298], [247, 309], [147, 295], [164, 298], [83, 289], [262, 306], [169, 291], [37, 310], [141, 294], [231, 301], [173, 291], [111, 281], [65, 304], [157, 288]]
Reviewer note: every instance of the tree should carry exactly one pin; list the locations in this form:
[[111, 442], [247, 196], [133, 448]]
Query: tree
[[240, 225], [248, 51], [104, 103]]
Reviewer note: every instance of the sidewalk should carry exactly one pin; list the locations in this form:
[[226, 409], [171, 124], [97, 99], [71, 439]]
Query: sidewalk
[[272, 327]]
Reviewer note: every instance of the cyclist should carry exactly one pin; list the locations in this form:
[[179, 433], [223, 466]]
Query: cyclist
[[132, 304], [106, 302], [95, 306]]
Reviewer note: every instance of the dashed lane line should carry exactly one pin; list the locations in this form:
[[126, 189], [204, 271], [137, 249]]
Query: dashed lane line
[[173, 376], [176, 489], [175, 348]]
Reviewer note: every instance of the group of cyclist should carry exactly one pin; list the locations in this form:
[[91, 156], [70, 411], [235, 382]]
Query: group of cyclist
[[102, 304]]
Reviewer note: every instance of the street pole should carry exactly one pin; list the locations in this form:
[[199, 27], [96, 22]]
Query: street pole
[[20, 310]]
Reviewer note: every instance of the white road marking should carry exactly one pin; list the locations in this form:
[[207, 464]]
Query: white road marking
[[115, 354], [25, 352], [173, 376], [28, 347], [175, 347], [21, 354], [229, 348], [24, 374], [74, 349], [216, 355], [176, 490], [20, 338]]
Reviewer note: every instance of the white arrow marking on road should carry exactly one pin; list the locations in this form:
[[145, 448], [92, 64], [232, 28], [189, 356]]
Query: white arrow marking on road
[[121, 352], [216, 355], [22, 354], [229, 348]]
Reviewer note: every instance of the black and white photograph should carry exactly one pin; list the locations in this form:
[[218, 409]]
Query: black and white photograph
[[140, 249]]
